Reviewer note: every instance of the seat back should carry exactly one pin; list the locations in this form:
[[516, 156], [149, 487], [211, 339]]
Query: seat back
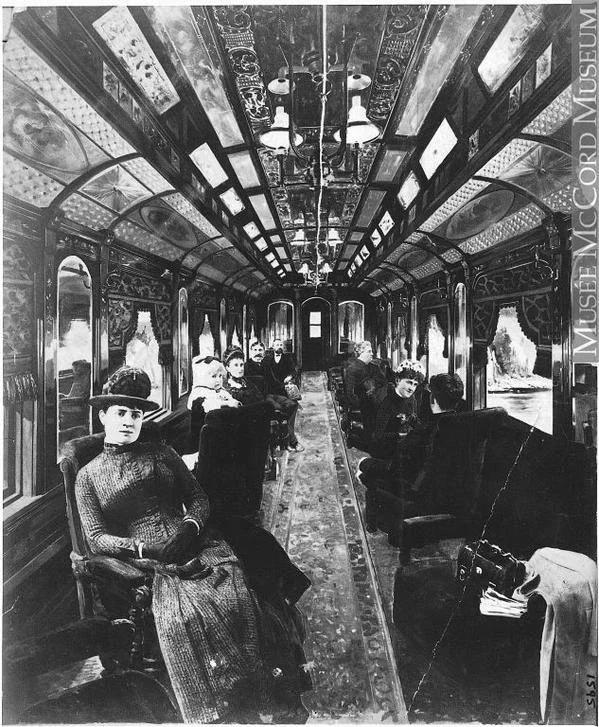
[[541, 479], [451, 480], [232, 457], [75, 455]]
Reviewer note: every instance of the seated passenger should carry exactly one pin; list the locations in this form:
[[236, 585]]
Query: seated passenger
[[365, 386], [207, 393], [266, 375], [253, 370], [230, 656], [402, 473], [81, 380], [240, 388], [396, 415]]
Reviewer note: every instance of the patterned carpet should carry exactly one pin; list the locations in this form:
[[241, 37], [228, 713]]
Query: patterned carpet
[[316, 517]]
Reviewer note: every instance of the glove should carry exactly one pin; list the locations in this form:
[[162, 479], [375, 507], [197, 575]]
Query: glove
[[177, 547], [154, 550]]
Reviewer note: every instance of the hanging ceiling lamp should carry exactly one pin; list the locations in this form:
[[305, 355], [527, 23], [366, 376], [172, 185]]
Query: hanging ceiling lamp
[[333, 238], [299, 239], [360, 130], [277, 137], [357, 82]]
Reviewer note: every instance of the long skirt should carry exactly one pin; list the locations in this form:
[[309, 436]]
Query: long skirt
[[226, 653]]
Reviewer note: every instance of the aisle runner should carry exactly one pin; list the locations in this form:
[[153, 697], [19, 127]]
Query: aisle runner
[[316, 518]]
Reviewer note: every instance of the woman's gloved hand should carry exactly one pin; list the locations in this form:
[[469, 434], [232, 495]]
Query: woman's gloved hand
[[154, 550], [177, 547]]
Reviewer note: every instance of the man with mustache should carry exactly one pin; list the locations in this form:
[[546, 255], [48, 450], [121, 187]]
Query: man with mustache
[[278, 368]]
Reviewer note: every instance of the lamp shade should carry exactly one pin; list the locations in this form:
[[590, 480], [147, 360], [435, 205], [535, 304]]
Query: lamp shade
[[360, 130], [326, 269], [277, 137], [358, 81], [279, 86], [334, 238], [299, 239], [304, 270]]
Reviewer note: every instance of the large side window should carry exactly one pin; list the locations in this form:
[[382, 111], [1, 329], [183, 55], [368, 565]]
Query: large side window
[[511, 381], [351, 324], [74, 351], [142, 351]]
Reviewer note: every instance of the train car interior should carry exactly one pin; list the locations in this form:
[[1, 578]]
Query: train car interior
[[319, 258]]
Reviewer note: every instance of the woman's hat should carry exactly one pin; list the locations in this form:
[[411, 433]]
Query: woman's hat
[[129, 386], [232, 353], [410, 370]]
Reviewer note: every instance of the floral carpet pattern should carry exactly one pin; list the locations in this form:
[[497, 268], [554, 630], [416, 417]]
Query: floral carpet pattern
[[315, 515]]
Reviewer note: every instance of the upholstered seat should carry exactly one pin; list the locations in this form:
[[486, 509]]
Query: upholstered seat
[[232, 455]]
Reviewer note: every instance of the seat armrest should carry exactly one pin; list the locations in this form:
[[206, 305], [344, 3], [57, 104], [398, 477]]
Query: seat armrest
[[423, 529], [106, 567]]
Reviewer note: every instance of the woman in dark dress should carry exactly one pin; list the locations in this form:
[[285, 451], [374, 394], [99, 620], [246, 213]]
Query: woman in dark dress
[[244, 391], [396, 415], [230, 656]]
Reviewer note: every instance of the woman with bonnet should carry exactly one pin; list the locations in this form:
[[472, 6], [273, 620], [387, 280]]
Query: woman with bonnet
[[229, 656], [397, 412], [207, 393]]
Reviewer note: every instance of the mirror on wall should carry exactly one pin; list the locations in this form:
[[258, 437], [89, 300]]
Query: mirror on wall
[[74, 352], [351, 324], [414, 328], [183, 343], [436, 363], [460, 333], [280, 323], [399, 353], [206, 345]]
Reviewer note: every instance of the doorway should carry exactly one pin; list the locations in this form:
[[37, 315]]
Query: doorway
[[316, 334]]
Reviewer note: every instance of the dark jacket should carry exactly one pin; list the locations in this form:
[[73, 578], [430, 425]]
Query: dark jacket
[[248, 393], [356, 372], [276, 373], [365, 382], [414, 451], [254, 373], [394, 416]]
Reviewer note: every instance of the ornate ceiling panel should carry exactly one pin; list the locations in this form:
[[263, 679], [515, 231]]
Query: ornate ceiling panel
[[553, 117], [402, 25], [139, 237], [37, 74], [146, 173], [525, 219], [178, 202], [87, 213], [459, 198], [129, 45], [23, 182], [540, 171], [560, 201], [436, 61], [234, 24], [116, 188], [186, 34]]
